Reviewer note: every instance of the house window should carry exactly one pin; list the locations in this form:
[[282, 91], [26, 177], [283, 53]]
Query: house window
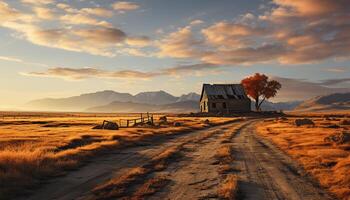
[[224, 105], [204, 105], [213, 105]]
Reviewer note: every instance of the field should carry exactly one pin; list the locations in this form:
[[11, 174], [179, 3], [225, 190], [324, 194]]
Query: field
[[60, 156], [328, 162], [40, 145]]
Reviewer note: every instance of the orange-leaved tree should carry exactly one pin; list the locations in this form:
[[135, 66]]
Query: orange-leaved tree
[[259, 86]]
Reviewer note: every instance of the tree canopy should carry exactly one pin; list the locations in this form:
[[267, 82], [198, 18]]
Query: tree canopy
[[259, 86]]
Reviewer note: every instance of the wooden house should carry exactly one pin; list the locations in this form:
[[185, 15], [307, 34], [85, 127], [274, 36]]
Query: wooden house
[[224, 98]]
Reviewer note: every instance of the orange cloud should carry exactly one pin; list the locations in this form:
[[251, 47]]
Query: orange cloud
[[85, 33], [125, 6], [44, 13], [180, 44], [292, 32], [89, 72]]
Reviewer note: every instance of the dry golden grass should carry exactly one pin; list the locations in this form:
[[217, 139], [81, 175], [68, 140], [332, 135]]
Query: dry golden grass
[[150, 187], [229, 188], [42, 145], [117, 187], [329, 163]]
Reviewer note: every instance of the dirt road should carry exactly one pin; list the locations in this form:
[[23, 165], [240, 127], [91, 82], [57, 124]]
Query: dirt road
[[264, 172]]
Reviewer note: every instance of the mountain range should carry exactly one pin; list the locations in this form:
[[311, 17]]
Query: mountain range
[[154, 100], [161, 101], [332, 102]]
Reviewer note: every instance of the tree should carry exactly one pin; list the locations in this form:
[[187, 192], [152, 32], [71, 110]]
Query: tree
[[259, 85]]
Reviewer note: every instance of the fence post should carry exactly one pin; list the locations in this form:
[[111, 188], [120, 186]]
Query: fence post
[[127, 123]]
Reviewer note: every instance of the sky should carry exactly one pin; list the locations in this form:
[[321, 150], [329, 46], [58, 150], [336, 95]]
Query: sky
[[60, 48]]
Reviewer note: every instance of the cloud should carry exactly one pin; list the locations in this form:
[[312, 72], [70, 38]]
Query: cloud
[[44, 13], [336, 70], [96, 41], [83, 19], [77, 30], [7, 13], [88, 72], [297, 89], [180, 44], [196, 22], [226, 35], [125, 6], [290, 32], [183, 69], [245, 55], [12, 59], [138, 41], [18, 60], [330, 82], [101, 12], [38, 2]]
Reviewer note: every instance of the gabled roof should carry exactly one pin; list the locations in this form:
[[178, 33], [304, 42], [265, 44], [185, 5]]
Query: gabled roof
[[224, 91]]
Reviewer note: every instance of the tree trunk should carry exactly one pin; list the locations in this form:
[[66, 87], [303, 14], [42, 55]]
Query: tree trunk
[[261, 103], [257, 104]]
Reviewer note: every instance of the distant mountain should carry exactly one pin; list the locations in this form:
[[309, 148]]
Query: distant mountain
[[336, 101], [181, 107], [189, 97], [123, 107], [90, 100], [156, 98], [78, 103], [130, 107], [271, 106]]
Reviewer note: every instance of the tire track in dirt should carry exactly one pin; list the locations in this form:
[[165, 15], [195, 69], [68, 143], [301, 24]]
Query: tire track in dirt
[[267, 173], [196, 176], [79, 182]]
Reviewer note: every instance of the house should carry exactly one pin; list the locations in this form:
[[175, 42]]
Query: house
[[224, 98]]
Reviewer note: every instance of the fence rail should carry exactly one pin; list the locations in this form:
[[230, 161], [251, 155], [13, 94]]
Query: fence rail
[[124, 123]]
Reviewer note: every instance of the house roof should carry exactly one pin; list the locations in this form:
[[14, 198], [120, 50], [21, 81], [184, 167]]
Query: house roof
[[224, 91]]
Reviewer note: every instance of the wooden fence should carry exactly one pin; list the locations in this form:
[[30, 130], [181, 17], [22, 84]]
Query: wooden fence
[[144, 118]]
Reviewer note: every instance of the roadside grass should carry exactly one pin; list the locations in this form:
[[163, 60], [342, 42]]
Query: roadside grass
[[34, 148], [229, 188], [328, 163]]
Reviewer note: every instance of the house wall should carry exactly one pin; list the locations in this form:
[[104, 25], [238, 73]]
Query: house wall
[[204, 105], [231, 106]]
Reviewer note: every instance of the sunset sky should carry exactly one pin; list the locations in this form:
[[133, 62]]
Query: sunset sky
[[59, 48]]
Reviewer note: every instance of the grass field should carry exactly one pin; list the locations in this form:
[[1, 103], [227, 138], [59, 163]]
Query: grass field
[[328, 162], [40, 145]]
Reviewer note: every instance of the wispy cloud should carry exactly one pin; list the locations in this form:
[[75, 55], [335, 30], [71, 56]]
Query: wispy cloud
[[38, 2], [330, 82], [125, 6], [89, 72], [69, 73], [336, 69], [18, 60]]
